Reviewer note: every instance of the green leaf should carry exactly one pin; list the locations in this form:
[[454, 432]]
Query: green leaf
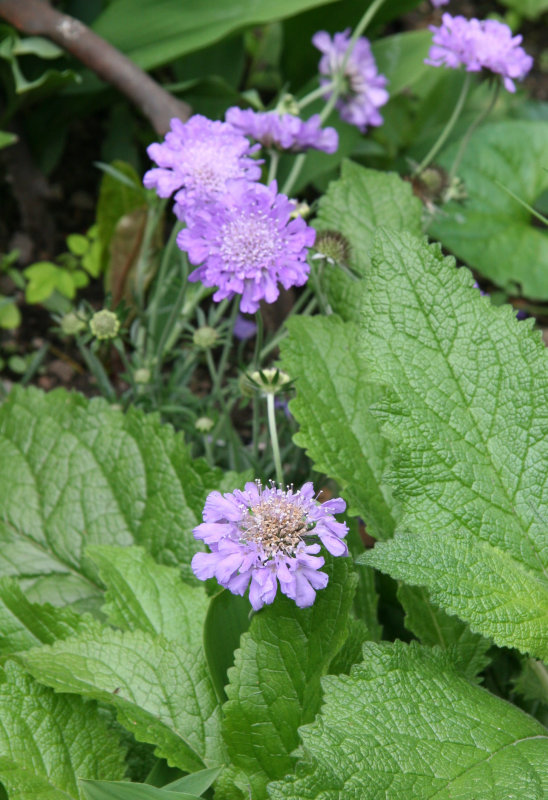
[[117, 197], [161, 690], [48, 741], [78, 244], [434, 627], [75, 473], [196, 783], [7, 138], [468, 414], [275, 683], [491, 230], [112, 790], [401, 58], [404, 724], [24, 625], [153, 32], [10, 316], [143, 595], [227, 618], [356, 205], [332, 407], [527, 8]]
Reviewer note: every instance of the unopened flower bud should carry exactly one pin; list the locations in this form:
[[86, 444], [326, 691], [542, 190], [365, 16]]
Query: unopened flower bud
[[141, 375], [204, 424], [71, 324], [205, 337], [300, 210], [269, 380], [332, 246], [288, 105], [104, 324]]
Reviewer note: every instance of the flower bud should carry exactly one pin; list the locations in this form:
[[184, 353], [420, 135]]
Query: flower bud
[[332, 246], [269, 380], [204, 424], [141, 375], [71, 324], [104, 324], [205, 337]]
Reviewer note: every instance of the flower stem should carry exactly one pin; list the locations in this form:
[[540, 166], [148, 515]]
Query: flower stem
[[338, 84], [320, 92], [450, 124], [273, 166], [274, 439], [468, 135]]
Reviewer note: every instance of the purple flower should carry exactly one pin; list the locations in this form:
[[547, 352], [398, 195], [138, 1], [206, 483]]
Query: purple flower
[[478, 45], [197, 158], [439, 3], [364, 89], [244, 328], [246, 243], [258, 538], [285, 132]]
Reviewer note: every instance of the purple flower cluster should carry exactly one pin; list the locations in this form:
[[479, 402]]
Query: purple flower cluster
[[477, 45], [196, 159], [258, 538], [364, 91], [439, 3], [283, 131], [246, 242]]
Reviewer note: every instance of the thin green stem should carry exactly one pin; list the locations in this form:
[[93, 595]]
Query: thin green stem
[[226, 348], [258, 340], [273, 166], [274, 439], [468, 135], [450, 124], [320, 92]]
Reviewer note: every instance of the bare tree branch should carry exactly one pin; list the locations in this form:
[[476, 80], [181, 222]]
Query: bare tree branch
[[35, 17]]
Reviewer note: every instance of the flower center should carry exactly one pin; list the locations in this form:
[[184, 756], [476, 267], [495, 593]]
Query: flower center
[[249, 244], [207, 170], [276, 524]]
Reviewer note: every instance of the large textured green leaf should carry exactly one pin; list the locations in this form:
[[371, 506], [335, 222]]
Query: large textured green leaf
[[469, 414], [434, 627], [491, 230], [143, 595], [161, 691], [405, 725], [153, 32], [24, 625], [332, 407], [275, 683], [48, 741], [356, 205], [75, 473]]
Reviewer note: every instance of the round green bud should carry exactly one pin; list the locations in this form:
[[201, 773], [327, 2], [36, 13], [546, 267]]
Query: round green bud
[[204, 424], [141, 375], [205, 337], [104, 324], [71, 324], [332, 246]]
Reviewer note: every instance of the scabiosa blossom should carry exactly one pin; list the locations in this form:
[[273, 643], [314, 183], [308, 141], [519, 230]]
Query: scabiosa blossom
[[364, 91], [260, 537], [197, 158], [283, 131], [246, 243], [477, 45], [439, 3]]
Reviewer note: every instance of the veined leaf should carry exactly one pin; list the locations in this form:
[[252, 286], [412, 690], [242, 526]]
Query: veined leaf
[[468, 413], [275, 683], [143, 595], [24, 625], [161, 691], [48, 741], [356, 205], [492, 231], [434, 627], [332, 407], [404, 724], [75, 473]]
